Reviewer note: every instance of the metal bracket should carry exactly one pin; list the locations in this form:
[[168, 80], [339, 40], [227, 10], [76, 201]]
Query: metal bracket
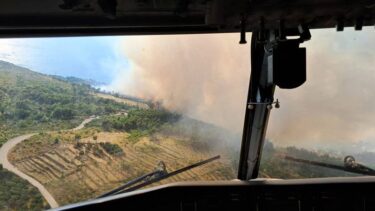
[[251, 105], [243, 31]]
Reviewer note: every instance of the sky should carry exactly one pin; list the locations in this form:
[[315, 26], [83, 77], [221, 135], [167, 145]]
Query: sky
[[206, 77], [84, 57]]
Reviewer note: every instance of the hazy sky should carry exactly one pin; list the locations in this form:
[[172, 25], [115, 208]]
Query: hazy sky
[[335, 108], [206, 77], [85, 57]]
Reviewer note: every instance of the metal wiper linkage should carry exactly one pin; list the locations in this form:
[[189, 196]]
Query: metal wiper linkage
[[160, 173], [350, 165]]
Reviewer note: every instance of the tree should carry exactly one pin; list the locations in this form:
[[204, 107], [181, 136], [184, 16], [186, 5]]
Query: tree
[[106, 125], [77, 138], [63, 113]]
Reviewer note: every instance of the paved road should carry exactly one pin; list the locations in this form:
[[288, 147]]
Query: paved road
[[6, 148]]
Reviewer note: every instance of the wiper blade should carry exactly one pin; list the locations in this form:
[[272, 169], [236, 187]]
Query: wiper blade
[[136, 180], [349, 165], [152, 177]]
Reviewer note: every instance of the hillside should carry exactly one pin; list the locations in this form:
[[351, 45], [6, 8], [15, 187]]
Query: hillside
[[60, 159], [274, 166], [75, 172], [30, 101], [17, 194], [34, 102], [79, 165], [128, 139]]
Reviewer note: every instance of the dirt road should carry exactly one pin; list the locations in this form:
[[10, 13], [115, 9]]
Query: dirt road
[[7, 147]]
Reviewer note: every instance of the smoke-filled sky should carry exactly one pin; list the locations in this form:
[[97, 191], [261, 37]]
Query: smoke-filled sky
[[203, 76], [336, 106], [206, 77]]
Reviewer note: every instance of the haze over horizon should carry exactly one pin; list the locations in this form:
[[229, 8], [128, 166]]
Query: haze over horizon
[[206, 77]]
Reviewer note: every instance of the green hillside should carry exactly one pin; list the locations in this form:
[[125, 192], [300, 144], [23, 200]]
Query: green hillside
[[17, 194], [34, 102], [31, 101]]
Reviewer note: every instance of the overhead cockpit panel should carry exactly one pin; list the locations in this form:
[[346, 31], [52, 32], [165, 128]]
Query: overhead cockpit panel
[[78, 17]]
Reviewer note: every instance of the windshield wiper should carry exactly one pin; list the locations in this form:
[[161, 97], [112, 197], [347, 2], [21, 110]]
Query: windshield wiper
[[160, 173], [350, 165]]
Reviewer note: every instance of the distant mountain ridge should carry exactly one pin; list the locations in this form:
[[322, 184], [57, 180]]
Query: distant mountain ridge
[[72, 79], [7, 66]]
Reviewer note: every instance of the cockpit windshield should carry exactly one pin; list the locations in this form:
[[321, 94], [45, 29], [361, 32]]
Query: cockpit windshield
[[87, 117], [325, 127]]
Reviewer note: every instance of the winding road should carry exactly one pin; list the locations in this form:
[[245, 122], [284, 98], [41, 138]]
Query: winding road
[[7, 147]]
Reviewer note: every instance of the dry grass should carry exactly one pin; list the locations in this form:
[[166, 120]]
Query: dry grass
[[74, 172]]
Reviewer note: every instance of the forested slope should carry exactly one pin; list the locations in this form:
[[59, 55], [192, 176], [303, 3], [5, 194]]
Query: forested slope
[[30, 101], [34, 102]]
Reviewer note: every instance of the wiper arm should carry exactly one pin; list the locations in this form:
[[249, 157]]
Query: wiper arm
[[159, 171], [349, 165], [152, 177]]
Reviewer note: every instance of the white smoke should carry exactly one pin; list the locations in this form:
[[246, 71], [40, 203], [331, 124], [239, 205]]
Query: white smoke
[[336, 105], [203, 76], [207, 76]]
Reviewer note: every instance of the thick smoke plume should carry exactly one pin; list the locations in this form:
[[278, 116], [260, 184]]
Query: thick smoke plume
[[202, 76], [335, 108], [206, 77]]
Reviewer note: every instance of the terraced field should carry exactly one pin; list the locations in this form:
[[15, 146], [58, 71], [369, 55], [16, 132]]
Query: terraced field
[[74, 166], [122, 100]]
